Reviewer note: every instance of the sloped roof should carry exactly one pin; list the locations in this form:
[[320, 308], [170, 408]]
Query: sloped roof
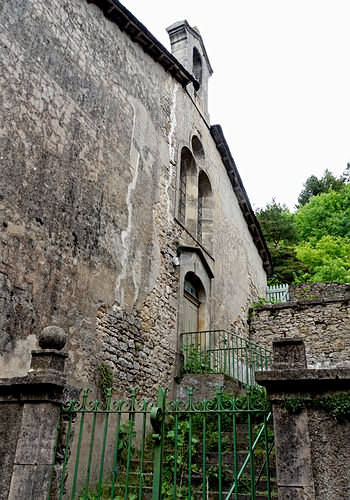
[[116, 12]]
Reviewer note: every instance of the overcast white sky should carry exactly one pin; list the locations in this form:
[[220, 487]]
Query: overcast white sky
[[280, 88]]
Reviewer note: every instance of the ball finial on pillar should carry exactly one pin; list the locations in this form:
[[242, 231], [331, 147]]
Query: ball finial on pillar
[[52, 337]]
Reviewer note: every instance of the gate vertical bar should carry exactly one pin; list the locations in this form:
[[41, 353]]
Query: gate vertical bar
[[251, 450], [105, 430], [131, 422], [82, 418], [175, 449], [189, 471], [204, 465], [144, 422], [91, 448], [235, 464], [157, 421], [219, 406], [116, 450], [267, 458]]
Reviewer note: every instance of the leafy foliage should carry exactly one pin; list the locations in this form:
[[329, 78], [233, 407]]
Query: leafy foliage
[[286, 264], [105, 379], [312, 245], [279, 229], [336, 405], [327, 258], [276, 223], [196, 361], [326, 214], [314, 186]]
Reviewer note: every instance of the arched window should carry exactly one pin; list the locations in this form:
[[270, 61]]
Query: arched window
[[182, 191], [205, 211], [197, 148], [197, 66], [188, 191]]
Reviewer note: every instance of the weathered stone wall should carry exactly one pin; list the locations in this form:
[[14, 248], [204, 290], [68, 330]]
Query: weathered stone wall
[[323, 324], [310, 291], [329, 455], [91, 137]]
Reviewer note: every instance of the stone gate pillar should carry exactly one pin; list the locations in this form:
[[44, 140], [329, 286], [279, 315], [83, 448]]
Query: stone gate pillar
[[312, 450], [29, 417]]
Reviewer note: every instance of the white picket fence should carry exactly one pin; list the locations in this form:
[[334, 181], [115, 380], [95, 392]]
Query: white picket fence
[[278, 293]]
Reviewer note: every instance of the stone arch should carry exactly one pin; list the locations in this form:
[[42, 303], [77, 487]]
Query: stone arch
[[195, 271], [195, 304]]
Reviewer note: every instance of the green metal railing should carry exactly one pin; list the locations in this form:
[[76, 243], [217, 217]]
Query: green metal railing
[[171, 450], [104, 447], [221, 351]]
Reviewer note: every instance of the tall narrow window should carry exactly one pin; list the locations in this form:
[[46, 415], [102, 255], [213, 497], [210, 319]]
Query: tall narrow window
[[205, 211], [200, 216], [197, 149], [188, 191], [182, 192]]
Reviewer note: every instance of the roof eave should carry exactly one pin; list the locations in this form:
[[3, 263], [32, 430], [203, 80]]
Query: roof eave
[[127, 22]]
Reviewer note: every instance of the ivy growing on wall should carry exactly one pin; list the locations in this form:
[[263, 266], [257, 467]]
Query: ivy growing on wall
[[105, 379], [336, 405]]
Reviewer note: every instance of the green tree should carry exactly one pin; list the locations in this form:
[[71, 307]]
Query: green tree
[[327, 259], [277, 224], [278, 227], [286, 265], [313, 244], [314, 186], [325, 214]]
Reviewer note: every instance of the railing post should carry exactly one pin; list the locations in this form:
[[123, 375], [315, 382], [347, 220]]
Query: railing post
[[158, 421]]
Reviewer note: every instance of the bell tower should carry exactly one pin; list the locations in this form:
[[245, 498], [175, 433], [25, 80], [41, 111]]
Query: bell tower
[[188, 48]]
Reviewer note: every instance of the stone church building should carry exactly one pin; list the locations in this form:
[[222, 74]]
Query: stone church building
[[124, 218]]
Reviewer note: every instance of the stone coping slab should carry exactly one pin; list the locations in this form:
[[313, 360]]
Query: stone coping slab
[[37, 387], [305, 380], [303, 302]]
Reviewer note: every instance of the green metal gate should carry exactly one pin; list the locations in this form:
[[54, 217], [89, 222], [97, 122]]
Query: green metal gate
[[133, 449]]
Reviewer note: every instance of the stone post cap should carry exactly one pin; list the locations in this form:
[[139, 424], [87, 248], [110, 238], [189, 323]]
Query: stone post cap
[[51, 340], [288, 353]]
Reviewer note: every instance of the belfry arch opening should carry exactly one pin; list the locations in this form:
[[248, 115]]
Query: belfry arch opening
[[197, 66]]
